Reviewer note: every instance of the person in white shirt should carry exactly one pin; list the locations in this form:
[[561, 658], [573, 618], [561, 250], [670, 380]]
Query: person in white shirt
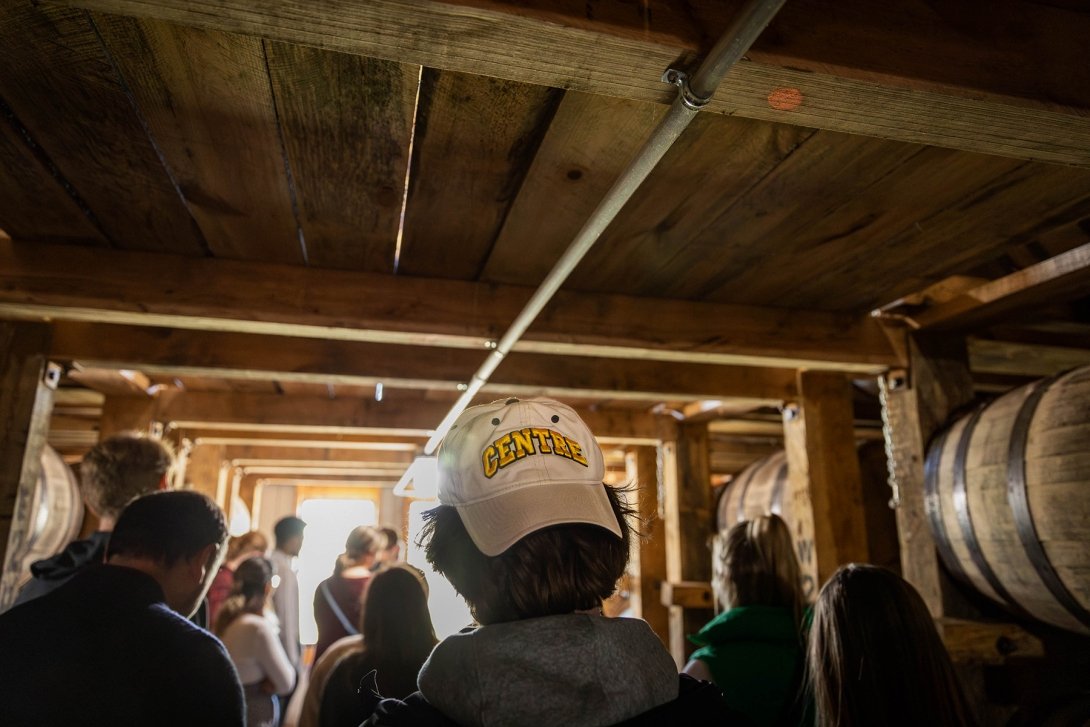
[[285, 599], [251, 640]]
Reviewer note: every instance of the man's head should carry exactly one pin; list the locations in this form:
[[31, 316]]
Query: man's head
[[391, 551], [176, 537], [526, 527], [289, 535], [119, 469]]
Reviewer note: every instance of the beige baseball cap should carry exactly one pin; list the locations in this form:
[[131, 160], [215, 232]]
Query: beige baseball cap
[[513, 467]]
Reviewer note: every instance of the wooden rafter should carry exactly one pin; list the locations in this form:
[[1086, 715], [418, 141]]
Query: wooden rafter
[[577, 53], [264, 441], [1051, 281], [250, 356], [1021, 359], [409, 416], [71, 283]]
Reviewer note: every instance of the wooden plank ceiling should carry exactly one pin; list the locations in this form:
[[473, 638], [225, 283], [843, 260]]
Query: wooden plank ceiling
[[326, 139]]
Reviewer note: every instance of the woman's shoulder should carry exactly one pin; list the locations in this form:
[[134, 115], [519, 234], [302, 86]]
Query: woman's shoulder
[[251, 622], [350, 586]]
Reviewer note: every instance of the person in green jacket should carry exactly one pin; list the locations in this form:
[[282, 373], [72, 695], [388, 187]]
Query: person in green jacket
[[753, 651]]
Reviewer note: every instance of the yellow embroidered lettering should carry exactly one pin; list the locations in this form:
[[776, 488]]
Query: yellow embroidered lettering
[[491, 461], [503, 445], [523, 443], [560, 444], [577, 452], [542, 437]]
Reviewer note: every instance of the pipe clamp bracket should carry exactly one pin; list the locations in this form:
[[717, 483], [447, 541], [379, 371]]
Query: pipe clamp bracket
[[681, 79]]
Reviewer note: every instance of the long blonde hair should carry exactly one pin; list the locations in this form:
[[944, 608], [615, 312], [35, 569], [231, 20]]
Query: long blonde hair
[[362, 542], [754, 564], [248, 544]]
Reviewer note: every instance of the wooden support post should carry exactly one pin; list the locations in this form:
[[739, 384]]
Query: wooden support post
[[27, 382], [203, 470], [247, 487], [126, 414], [223, 481], [824, 477], [642, 468], [916, 404], [689, 523]]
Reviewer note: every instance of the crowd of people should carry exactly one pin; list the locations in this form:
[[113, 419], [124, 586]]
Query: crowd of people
[[160, 618]]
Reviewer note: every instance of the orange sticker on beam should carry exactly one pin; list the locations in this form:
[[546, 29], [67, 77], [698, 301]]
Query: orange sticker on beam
[[785, 99]]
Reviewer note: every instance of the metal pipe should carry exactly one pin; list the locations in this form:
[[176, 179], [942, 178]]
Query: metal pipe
[[692, 95]]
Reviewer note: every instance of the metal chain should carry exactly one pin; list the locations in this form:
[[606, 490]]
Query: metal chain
[[887, 437]]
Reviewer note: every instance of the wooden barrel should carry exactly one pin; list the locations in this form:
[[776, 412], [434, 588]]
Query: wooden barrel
[[57, 507], [1008, 499], [761, 488], [55, 514], [757, 490]]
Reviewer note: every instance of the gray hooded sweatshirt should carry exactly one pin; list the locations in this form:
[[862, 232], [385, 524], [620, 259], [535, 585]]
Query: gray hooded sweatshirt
[[581, 670]]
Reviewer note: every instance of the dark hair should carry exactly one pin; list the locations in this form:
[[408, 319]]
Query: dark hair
[[556, 570], [121, 468], [167, 527], [396, 627], [248, 585], [754, 564], [287, 528], [392, 537], [875, 656]]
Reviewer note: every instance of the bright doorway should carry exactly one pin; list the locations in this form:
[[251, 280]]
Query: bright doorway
[[329, 521]]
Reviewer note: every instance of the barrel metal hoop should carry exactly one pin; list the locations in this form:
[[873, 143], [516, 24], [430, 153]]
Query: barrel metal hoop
[[965, 520], [745, 488], [933, 507], [776, 506], [1018, 498]]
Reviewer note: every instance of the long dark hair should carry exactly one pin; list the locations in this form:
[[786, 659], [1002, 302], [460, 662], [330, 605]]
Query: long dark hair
[[248, 592], [397, 631], [876, 658]]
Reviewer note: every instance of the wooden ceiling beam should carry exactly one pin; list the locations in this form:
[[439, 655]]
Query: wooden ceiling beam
[[373, 473], [110, 381], [262, 454], [329, 482], [265, 441], [1023, 359], [259, 463], [168, 352], [130, 288], [539, 43], [411, 416], [1051, 281]]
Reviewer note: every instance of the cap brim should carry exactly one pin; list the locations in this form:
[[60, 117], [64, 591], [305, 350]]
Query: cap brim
[[499, 522]]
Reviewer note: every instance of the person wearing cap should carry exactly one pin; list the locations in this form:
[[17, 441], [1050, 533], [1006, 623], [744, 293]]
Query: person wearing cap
[[529, 535]]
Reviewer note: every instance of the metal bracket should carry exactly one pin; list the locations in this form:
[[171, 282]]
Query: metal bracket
[[52, 375], [674, 77]]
